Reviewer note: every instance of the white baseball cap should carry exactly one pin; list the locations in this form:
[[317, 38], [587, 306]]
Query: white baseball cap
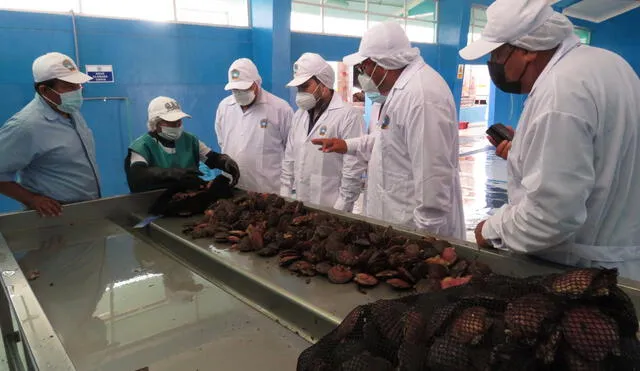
[[310, 65], [57, 66], [165, 108], [508, 21], [242, 74]]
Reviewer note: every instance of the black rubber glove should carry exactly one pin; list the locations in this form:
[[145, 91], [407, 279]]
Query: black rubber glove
[[191, 180], [224, 163], [231, 167], [142, 178]]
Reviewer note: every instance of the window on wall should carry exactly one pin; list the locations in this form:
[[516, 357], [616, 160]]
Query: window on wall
[[162, 10], [479, 20], [41, 5], [211, 12], [354, 17], [220, 12], [477, 23]]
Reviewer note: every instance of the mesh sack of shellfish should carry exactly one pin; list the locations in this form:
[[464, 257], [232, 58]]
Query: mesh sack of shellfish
[[578, 320]]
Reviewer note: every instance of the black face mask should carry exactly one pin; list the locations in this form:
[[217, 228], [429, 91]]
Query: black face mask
[[499, 77]]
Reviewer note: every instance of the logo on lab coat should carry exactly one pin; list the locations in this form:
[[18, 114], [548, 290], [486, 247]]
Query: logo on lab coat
[[323, 131], [264, 123], [235, 74], [385, 122]]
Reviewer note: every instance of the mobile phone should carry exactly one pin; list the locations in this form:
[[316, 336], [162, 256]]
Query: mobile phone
[[499, 133]]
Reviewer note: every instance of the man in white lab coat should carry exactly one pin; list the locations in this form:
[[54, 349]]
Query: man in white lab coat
[[413, 175], [574, 163], [252, 126], [329, 180]]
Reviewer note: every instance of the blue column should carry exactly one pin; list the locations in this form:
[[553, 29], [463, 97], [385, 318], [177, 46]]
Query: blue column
[[271, 35], [453, 26], [508, 108], [492, 105]]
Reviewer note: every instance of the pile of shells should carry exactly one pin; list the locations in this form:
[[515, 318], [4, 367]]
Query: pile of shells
[[315, 243]]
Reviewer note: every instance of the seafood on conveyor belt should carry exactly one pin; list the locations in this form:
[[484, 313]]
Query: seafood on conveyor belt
[[311, 243], [577, 320]]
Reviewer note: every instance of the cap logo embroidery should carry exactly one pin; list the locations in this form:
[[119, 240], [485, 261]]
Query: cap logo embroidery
[[295, 68], [235, 74], [172, 106], [68, 65]]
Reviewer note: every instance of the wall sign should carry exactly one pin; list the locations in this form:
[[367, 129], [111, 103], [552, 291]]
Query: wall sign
[[101, 73]]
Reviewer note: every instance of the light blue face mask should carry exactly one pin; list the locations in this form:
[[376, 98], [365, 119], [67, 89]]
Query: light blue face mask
[[377, 97], [70, 101]]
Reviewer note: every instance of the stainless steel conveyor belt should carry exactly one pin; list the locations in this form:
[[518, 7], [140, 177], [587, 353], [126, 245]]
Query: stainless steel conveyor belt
[[106, 299], [119, 298], [316, 305]]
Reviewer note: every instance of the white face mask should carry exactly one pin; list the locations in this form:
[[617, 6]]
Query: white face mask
[[367, 84], [70, 101], [244, 97], [168, 133], [307, 101]]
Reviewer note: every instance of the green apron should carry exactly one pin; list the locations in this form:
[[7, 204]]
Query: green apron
[[187, 154]]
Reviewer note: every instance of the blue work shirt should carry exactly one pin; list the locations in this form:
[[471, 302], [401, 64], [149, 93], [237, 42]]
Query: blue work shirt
[[53, 155]]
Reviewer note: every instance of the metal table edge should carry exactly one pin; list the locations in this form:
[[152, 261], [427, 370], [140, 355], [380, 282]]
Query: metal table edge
[[45, 348]]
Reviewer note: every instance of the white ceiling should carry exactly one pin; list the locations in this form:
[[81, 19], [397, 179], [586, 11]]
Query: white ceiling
[[600, 10]]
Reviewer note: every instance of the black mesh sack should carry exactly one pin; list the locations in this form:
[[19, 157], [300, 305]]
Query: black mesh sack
[[577, 320]]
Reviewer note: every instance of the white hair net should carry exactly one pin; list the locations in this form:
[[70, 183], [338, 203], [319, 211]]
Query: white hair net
[[386, 44], [551, 34], [326, 76], [397, 59]]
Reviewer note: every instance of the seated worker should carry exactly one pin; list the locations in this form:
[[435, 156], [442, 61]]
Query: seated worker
[[167, 156]]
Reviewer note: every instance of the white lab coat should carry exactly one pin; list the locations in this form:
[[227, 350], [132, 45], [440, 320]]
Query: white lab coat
[[330, 179], [373, 120], [255, 139], [413, 177], [574, 165]]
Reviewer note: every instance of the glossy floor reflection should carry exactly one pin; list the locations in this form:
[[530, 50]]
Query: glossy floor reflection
[[483, 176]]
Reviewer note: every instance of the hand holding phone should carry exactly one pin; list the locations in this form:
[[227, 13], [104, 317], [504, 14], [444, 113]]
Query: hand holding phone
[[501, 137], [499, 132]]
